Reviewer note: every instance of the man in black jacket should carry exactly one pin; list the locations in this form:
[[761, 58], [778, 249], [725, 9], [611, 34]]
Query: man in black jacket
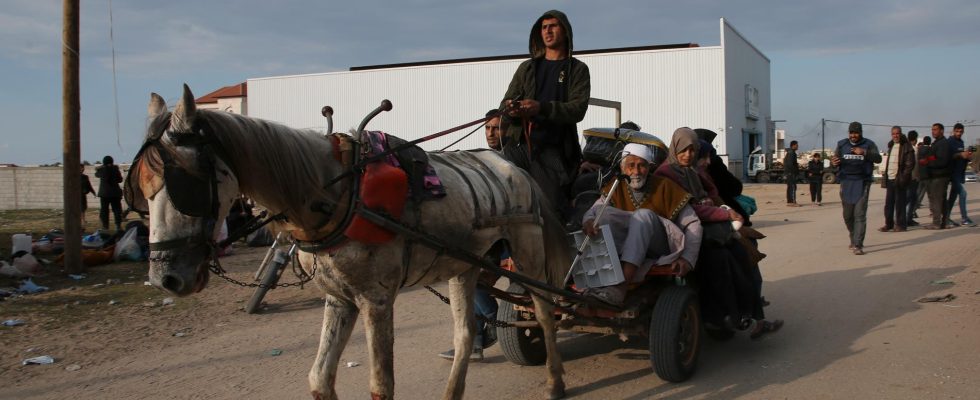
[[791, 170], [110, 194], [936, 161]]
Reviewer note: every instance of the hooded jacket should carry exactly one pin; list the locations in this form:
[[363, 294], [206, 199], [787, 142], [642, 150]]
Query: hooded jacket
[[573, 92]]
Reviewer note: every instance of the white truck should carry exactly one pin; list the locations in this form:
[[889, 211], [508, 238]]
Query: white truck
[[763, 169]]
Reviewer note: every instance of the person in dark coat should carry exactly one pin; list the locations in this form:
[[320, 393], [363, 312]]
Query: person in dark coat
[[86, 189], [936, 162], [912, 194], [110, 194], [791, 171], [896, 178], [814, 175], [547, 96]]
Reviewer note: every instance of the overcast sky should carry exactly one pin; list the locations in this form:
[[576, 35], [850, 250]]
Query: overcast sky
[[877, 61]]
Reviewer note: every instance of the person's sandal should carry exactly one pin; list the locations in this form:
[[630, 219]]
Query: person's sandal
[[765, 327]]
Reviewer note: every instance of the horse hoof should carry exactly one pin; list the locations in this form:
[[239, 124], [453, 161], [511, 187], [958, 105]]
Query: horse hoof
[[556, 392]]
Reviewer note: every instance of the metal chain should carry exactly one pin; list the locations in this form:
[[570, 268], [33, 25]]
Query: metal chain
[[489, 321], [217, 270]]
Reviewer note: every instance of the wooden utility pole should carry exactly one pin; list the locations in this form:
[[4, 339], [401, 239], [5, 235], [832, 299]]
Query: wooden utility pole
[[70, 139]]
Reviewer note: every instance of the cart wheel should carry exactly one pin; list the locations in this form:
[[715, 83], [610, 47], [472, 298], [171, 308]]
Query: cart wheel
[[675, 334], [829, 178], [762, 177], [720, 334], [521, 346]]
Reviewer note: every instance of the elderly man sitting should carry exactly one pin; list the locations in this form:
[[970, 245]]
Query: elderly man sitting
[[651, 222]]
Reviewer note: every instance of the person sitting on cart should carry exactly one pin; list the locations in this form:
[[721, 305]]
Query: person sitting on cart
[[731, 285], [650, 219]]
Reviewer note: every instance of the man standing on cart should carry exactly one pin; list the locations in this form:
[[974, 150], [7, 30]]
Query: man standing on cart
[[650, 218], [547, 96]]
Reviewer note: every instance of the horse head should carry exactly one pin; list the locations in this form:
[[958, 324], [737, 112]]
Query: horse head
[[181, 181]]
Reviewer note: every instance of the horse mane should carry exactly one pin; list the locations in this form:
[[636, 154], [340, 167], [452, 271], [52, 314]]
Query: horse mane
[[281, 168]]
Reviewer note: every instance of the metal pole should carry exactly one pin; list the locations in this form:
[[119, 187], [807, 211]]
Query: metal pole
[[71, 167], [823, 135]]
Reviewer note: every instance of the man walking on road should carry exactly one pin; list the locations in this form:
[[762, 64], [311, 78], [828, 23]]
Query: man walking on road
[[936, 162], [791, 171], [855, 158], [547, 96], [960, 157]]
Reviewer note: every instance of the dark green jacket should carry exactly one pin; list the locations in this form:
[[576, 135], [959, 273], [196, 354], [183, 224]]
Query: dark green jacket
[[574, 93]]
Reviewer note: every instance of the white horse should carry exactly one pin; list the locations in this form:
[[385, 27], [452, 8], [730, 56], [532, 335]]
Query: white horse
[[195, 162]]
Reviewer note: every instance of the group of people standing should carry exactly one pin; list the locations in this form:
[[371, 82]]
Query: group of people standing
[[911, 170]]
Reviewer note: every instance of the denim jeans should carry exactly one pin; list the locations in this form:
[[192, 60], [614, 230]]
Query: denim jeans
[[486, 306], [956, 189], [791, 188]]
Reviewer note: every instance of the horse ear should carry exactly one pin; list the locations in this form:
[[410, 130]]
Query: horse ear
[[183, 116], [157, 106]]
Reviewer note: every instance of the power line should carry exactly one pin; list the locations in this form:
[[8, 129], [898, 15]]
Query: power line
[[891, 125]]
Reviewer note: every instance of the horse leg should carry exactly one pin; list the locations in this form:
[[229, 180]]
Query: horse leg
[[461, 292], [339, 317], [379, 327], [544, 313]]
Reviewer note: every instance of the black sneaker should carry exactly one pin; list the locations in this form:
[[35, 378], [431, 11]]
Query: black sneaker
[[476, 356]]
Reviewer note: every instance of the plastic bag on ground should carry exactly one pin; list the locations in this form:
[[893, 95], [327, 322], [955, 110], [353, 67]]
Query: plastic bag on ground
[[127, 249]]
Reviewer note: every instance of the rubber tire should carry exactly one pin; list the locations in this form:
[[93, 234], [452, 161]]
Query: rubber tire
[[270, 278], [521, 346], [829, 177], [762, 177], [721, 335], [676, 317]]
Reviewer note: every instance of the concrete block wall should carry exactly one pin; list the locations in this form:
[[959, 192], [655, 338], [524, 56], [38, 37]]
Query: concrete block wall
[[40, 187]]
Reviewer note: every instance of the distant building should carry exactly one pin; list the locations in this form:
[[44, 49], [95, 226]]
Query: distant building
[[233, 99], [725, 88]]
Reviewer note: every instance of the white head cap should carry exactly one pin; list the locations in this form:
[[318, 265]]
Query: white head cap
[[639, 150]]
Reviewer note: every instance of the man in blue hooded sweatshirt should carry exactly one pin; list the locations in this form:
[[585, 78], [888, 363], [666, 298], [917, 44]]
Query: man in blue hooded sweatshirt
[[855, 158]]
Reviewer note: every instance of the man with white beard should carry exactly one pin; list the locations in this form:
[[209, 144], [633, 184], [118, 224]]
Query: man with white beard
[[651, 221]]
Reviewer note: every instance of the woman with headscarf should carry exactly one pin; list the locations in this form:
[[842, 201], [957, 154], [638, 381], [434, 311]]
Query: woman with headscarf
[[730, 297]]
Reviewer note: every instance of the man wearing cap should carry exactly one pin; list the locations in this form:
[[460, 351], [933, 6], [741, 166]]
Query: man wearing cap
[[651, 221], [855, 158]]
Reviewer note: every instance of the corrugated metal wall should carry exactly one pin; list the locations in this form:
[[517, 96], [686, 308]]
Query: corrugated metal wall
[[660, 90], [745, 65]]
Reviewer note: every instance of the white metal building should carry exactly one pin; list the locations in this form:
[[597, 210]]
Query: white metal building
[[724, 88]]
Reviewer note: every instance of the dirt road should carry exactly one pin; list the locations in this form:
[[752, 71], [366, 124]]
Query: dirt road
[[853, 330]]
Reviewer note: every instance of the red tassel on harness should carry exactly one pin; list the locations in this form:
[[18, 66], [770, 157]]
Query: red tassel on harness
[[384, 188]]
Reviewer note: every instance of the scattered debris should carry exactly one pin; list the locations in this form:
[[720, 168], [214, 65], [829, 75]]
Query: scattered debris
[[77, 277], [40, 360], [73, 367], [149, 304], [180, 334], [275, 352], [785, 219], [14, 322], [29, 287], [942, 282], [938, 299], [114, 302], [169, 301], [98, 285], [112, 281], [147, 283], [352, 364], [977, 292]]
